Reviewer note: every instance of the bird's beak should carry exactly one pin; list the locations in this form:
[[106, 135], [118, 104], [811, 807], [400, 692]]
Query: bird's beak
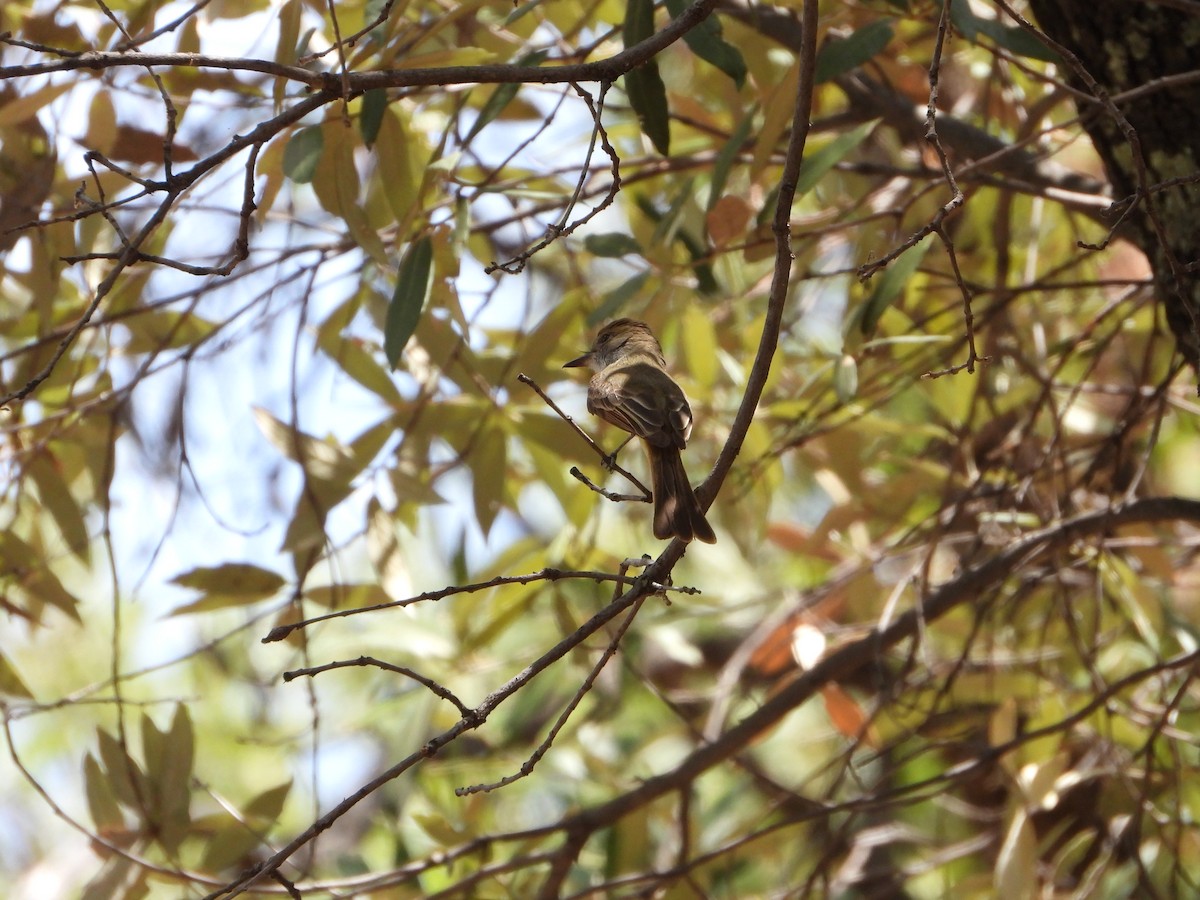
[[579, 361]]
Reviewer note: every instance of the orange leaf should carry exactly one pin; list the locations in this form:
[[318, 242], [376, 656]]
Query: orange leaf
[[846, 715]]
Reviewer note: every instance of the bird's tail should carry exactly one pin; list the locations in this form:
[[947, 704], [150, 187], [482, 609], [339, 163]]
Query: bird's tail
[[677, 512]]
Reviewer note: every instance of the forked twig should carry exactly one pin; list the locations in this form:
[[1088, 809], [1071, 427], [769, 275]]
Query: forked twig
[[608, 460]]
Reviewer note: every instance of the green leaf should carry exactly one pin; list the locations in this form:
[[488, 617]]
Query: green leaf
[[615, 299], [699, 338], [706, 41], [613, 244], [725, 159], [353, 356], [645, 88], [503, 94], [38, 583], [46, 470], [265, 808], [302, 153], [10, 682], [413, 282], [843, 54], [706, 282], [1011, 37], [101, 800], [324, 460], [169, 769], [122, 771], [815, 166], [374, 105], [889, 286]]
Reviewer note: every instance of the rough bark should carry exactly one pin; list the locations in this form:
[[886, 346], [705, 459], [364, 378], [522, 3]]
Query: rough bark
[[1130, 45]]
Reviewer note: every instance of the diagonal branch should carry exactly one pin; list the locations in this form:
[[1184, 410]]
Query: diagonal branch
[[848, 660], [781, 226]]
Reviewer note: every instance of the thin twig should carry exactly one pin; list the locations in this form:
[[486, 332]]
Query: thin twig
[[280, 632], [441, 691], [530, 764], [607, 459], [564, 226]]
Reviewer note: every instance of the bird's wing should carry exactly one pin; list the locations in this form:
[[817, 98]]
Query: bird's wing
[[643, 400]]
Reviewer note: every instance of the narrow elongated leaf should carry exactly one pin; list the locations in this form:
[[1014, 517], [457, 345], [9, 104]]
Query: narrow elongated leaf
[[488, 467], [724, 162], [45, 470], [503, 94], [647, 93], [374, 105], [615, 299], [235, 579], [889, 286], [10, 682], [122, 771], [613, 244], [815, 166], [18, 109], [265, 808], [1010, 37], [101, 800], [844, 54], [707, 42], [412, 289]]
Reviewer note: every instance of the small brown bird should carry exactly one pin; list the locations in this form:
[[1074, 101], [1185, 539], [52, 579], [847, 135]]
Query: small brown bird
[[632, 390]]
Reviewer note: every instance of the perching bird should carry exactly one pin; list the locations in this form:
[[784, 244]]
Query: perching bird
[[632, 390]]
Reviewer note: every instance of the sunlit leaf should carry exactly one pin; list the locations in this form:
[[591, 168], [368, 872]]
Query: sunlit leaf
[[699, 337], [706, 42], [265, 807], [488, 466], [845, 378], [57, 499], [383, 547], [778, 109], [888, 287], [1016, 862], [15, 110]]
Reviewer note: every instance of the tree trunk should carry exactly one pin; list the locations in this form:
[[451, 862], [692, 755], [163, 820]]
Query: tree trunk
[[1124, 46]]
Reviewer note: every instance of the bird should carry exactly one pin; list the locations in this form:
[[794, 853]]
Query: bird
[[630, 388]]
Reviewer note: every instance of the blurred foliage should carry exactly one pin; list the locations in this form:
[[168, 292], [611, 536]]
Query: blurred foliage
[[294, 393]]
